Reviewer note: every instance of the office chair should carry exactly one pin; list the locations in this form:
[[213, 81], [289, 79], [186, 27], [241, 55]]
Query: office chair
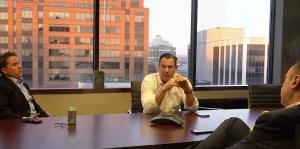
[[264, 96], [136, 104]]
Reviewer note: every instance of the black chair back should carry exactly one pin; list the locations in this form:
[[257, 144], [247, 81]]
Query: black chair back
[[264, 96], [136, 104]]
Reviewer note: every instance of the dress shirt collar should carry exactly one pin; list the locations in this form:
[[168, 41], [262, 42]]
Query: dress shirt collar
[[294, 104], [16, 81]]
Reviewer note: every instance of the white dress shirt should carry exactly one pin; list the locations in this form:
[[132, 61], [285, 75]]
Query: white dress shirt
[[26, 93], [172, 100]]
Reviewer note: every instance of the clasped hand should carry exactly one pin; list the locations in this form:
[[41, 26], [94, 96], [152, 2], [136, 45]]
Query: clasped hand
[[178, 81]]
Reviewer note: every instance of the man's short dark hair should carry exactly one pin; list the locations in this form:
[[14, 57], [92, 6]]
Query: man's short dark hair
[[3, 59], [168, 55]]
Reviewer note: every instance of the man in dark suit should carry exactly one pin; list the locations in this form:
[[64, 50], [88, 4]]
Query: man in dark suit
[[16, 100], [277, 129]]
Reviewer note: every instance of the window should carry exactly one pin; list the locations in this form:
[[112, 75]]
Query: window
[[3, 40], [56, 37], [57, 4], [59, 64], [84, 16], [232, 50], [166, 34], [110, 17], [58, 28], [110, 65], [3, 27], [83, 40], [58, 40], [83, 52], [3, 3], [110, 29], [26, 13], [3, 15], [84, 77], [26, 39], [109, 53], [59, 77], [27, 52], [139, 17], [59, 15], [26, 64], [83, 65], [59, 52], [84, 29], [27, 26]]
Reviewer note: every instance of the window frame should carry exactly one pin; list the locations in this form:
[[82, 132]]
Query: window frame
[[191, 55]]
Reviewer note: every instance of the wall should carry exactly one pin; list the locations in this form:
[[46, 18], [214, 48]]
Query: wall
[[108, 103]]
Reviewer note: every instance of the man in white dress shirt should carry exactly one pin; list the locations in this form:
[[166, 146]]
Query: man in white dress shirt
[[166, 90]]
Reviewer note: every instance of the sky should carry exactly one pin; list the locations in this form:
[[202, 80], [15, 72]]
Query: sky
[[172, 18]]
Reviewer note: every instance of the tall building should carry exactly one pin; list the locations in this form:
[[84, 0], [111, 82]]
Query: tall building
[[157, 47], [54, 40], [226, 57]]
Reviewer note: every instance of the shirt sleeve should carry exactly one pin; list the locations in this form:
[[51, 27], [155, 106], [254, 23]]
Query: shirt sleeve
[[195, 105], [148, 90]]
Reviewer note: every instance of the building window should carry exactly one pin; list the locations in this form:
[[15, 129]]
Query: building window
[[3, 15], [110, 29], [83, 52], [3, 40], [59, 64], [84, 16], [27, 26], [58, 28], [82, 40], [57, 4], [109, 65], [84, 77], [58, 40], [110, 17], [26, 13], [110, 42], [3, 3], [59, 15], [139, 17], [109, 53], [59, 52], [3, 27], [83, 65], [27, 64], [26, 39], [83, 29], [59, 77], [27, 52]]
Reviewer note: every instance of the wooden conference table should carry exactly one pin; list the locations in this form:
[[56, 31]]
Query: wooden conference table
[[113, 131]]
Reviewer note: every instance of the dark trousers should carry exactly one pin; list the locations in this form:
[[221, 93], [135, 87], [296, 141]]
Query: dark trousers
[[228, 133]]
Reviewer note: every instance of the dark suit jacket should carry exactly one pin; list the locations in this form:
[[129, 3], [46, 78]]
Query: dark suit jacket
[[274, 130], [13, 103]]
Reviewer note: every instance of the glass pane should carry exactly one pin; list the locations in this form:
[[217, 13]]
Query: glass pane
[[169, 32], [52, 39], [232, 42]]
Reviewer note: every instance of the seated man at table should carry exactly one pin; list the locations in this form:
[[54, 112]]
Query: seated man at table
[[166, 90], [276, 129], [15, 98]]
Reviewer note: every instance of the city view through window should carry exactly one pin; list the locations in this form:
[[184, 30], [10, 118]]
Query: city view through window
[[54, 40]]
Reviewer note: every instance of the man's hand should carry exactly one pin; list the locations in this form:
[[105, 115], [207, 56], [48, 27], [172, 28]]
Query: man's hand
[[183, 83], [172, 82]]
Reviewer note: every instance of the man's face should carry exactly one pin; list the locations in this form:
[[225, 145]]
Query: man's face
[[287, 89], [13, 68], [167, 69]]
